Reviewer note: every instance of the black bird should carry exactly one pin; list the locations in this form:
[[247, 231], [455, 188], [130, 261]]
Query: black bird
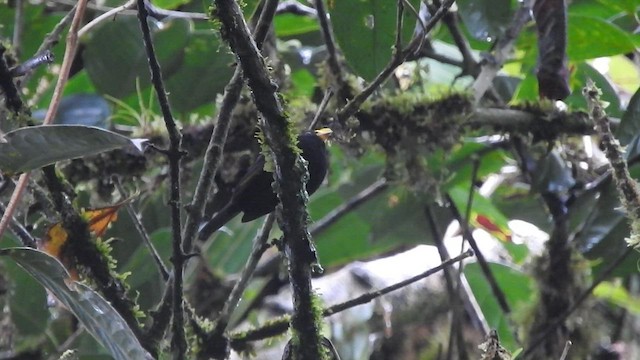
[[254, 195]]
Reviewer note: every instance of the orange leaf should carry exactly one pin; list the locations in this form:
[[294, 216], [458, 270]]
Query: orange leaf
[[53, 244], [54, 240], [100, 219]]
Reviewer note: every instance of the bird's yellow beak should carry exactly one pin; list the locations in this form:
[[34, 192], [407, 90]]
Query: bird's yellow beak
[[324, 133]]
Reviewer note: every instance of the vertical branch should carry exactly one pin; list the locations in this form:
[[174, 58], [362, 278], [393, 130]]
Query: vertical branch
[[174, 154], [306, 320]]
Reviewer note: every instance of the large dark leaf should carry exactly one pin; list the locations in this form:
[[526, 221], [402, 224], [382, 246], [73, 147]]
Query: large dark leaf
[[28, 301], [602, 236], [145, 277], [100, 319], [365, 31], [115, 68], [553, 175], [37, 146], [485, 19], [630, 123], [204, 72]]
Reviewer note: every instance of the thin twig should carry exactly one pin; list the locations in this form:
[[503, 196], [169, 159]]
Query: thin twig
[[18, 26], [295, 8], [397, 46], [259, 247], [333, 61], [323, 105], [484, 266], [67, 61], [144, 235], [160, 14], [470, 65], [53, 37], [365, 298], [339, 212], [7, 215], [106, 16], [153, 11], [331, 218], [279, 326], [565, 351], [32, 63]]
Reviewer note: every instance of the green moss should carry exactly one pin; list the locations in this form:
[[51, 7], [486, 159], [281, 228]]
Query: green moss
[[410, 127]]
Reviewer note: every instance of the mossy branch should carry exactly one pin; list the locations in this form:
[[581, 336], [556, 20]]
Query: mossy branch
[[627, 186]]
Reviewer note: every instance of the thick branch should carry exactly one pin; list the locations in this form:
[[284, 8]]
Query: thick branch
[[289, 172]]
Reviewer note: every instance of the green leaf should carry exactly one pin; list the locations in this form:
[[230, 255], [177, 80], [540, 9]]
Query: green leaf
[[590, 37], [230, 249], [518, 289], [98, 317], [460, 163], [584, 71], [598, 8], [629, 6], [28, 301], [303, 83], [145, 276], [624, 73], [601, 237], [290, 25], [528, 88], [604, 217], [439, 76], [115, 69], [33, 147], [480, 206], [169, 4], [616, 294], [485, 18], [202, 75], [630, 123], [365, 31]]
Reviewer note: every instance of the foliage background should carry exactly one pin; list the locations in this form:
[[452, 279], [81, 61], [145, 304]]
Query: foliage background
[[536, 161]]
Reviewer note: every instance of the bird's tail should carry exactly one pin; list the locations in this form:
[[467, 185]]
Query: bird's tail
[[217, 221]]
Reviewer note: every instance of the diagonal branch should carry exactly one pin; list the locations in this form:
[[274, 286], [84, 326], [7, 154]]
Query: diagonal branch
[[174, 154]]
